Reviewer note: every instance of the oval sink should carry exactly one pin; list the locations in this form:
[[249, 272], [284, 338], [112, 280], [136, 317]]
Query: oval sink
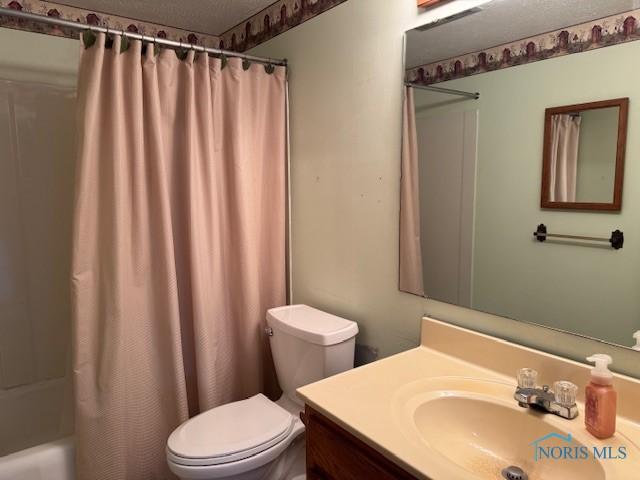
[[477, 428], [485, 438]]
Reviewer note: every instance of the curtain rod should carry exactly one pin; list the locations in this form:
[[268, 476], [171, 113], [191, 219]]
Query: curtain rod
[[448, 91], [10, 12]]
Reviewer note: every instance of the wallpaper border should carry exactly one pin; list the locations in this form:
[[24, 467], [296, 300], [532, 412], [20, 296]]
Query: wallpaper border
[[277, 18], [603, 32], [52, 9]]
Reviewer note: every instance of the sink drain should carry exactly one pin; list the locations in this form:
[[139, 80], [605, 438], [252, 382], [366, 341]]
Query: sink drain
[[514, 473]]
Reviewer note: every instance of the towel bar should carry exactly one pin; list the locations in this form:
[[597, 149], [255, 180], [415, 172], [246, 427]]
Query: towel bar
[[616, 239]]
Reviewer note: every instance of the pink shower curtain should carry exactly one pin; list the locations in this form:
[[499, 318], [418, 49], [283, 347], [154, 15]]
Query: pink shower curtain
[[179, 247], [411, 279], [565, 140]]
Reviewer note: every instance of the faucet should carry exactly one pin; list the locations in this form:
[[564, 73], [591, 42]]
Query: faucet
[[560, 401]]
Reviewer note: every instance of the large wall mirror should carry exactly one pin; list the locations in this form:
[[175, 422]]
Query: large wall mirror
[[520, 189]]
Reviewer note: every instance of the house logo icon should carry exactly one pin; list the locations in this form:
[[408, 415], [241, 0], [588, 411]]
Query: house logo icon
[[542, 451]]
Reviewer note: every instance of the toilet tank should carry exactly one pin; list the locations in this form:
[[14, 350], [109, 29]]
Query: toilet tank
[[308, 345]]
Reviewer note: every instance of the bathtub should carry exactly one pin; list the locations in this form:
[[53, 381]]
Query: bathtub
[[49, 461]]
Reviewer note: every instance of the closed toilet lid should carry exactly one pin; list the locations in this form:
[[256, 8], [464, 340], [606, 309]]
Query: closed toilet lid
[[231, 432]]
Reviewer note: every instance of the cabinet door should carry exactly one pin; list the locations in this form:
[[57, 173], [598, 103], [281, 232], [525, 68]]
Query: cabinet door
[[335, 454]]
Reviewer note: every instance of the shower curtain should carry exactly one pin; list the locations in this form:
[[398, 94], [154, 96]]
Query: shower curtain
[[179, 246], [565, 140], [411, 279]]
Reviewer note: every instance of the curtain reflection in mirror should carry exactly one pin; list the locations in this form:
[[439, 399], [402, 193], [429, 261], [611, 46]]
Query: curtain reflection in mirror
[[410, 250], [565, 139]]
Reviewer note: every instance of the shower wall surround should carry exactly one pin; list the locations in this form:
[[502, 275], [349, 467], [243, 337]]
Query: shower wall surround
[[36, 196]]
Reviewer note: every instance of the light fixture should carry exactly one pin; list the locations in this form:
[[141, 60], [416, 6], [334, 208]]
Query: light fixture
[[452, 11]]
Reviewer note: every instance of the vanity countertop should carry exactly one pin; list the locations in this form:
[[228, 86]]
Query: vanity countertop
[[366, 401]]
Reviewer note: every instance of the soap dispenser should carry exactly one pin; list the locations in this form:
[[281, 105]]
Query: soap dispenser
[[637, 338], [600, 399]]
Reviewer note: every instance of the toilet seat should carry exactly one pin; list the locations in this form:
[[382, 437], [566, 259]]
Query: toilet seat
[[231, 433]]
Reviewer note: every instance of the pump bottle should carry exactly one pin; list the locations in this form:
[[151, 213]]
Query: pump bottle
[[600, 399]]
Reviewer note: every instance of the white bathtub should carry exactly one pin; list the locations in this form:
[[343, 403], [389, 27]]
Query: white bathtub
[[49, 461]]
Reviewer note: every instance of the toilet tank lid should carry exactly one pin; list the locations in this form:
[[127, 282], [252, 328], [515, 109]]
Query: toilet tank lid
[[311, 324]]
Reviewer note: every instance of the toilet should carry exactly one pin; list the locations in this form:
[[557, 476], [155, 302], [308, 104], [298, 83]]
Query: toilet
[[257, 438]]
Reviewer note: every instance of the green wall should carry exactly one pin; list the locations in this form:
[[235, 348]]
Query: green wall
[[346, 74]]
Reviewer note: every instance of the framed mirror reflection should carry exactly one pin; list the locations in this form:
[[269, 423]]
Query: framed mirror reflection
[[583, 155], [519, 125]]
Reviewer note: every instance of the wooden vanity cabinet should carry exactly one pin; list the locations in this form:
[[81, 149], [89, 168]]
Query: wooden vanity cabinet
[[335, 454]]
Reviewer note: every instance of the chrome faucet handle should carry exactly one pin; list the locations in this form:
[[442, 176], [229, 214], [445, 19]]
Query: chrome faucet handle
[[527, 378], [565, 393]]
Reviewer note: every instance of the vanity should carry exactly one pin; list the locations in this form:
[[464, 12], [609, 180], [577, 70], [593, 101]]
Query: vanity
[[446, 410], [334, 452]]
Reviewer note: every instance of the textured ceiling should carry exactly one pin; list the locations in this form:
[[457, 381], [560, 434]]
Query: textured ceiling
[[213, 17], [505, 21]]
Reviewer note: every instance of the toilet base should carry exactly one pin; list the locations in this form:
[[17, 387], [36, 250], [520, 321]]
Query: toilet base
[[291, 465]]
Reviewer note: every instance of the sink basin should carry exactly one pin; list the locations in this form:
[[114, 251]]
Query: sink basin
[[485, 437], [477, 427]]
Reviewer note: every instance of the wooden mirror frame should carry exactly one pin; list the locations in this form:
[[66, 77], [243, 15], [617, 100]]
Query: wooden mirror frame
[[429, 3], [616, 205]]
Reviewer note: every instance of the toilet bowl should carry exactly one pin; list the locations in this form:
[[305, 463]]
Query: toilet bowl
[[256, 438], [239, 440]]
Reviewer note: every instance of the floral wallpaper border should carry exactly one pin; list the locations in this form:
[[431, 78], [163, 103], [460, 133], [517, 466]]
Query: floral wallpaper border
[[279, 17], [74, 14], [604, 32], [272, 21]]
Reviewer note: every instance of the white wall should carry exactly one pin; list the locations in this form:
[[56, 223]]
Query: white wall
[[346, 85]]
